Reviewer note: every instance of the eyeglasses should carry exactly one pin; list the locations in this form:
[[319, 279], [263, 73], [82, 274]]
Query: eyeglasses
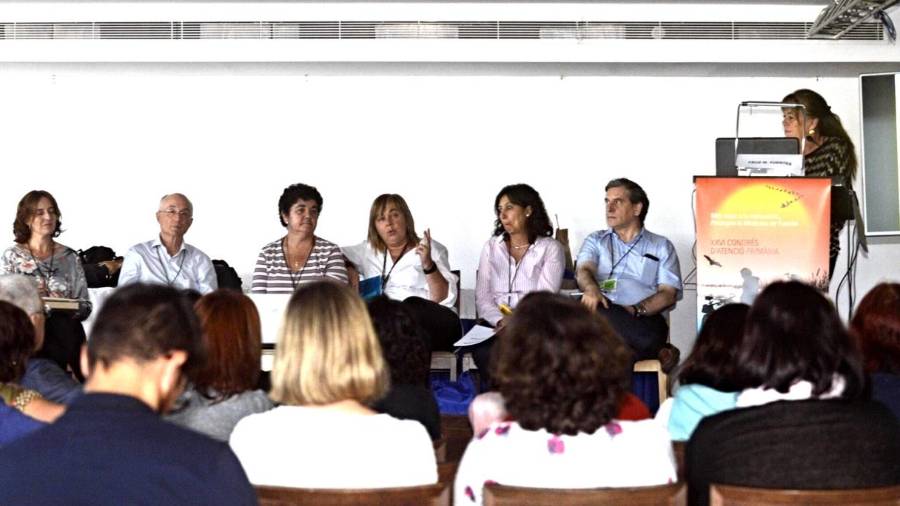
[[173, 213]]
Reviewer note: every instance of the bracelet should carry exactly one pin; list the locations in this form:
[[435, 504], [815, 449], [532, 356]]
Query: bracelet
[[24, 398], [431, 269]]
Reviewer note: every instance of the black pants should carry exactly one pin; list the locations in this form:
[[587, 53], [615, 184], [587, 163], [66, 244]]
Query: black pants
[[440, 323], [63, 338], [645, 335], [481, 355]]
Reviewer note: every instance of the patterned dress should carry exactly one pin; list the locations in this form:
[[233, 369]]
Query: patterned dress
[[619, 454], [830, 159], [61, 275]]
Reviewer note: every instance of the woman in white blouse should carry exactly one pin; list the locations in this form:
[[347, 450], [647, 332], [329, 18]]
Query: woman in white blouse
[[394, 261], [328, 369], [521, 257]]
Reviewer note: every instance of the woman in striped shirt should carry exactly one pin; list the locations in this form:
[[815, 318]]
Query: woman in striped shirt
[[300, 256]]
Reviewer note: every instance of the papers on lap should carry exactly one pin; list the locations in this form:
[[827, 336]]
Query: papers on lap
[[478, 334]]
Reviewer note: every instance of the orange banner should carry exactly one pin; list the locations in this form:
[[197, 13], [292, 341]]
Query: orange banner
[[752, 231]]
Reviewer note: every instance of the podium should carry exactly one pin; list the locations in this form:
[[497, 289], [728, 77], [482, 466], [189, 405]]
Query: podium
[[752, 231]]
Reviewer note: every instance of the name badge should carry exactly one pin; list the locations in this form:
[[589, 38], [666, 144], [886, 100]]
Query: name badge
[[608, 286]]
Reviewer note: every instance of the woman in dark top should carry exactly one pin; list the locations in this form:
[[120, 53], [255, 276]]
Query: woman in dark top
[[803, 421], [876, 325], [410, 397], [827, 149]]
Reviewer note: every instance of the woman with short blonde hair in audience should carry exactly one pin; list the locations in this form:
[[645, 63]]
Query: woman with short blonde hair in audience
[[803, 420], [328, 368], [563, 372], [876, 325], [224, 390]]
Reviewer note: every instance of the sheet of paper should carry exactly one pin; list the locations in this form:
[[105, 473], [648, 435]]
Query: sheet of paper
[[479, 333]]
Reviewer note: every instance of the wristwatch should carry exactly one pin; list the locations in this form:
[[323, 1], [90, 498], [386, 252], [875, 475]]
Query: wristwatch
[[431, 269], [639, 310]]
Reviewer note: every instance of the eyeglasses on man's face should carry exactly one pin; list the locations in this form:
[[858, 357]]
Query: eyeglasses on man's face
[[176, 213]]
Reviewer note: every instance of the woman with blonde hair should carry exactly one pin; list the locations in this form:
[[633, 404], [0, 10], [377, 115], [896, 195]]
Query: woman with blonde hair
[[328, 369]]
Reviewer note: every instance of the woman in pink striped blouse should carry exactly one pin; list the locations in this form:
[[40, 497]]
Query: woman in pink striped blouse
[[521, 257]]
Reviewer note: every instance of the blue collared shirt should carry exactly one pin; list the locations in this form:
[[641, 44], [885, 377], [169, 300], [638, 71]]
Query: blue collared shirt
[[149, 262], [639, 267]]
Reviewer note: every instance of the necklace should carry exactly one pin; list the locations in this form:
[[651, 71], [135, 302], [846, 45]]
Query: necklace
[[521, 246], [297, 272], [510, 275]]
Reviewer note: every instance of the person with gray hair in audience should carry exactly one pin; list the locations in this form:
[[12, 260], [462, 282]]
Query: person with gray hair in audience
[[41, 374], [167, 259]]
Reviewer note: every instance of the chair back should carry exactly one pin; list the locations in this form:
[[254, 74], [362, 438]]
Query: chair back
[[662, 495], [727, 495], [430, 495], [440, 450]]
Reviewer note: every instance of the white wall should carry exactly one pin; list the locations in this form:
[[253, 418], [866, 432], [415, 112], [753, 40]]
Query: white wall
[[109, 140]]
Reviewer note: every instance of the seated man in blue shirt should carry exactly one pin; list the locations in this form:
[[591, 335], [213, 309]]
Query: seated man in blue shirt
[[628, 273], [111, 447]]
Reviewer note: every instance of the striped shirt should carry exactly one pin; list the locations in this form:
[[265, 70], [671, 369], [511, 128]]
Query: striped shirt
[[271, 274]]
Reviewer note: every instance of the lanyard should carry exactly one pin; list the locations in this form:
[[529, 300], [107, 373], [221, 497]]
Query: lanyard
[[510, 274], [166, 271], [611, 256], [385, 277], [296, 280]]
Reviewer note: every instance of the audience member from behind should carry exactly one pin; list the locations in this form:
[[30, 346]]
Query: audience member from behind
[[563, 371], [167, 259], [410, 396], [806, 423], [41, 374], [111, 447], [16, 333], [224, 390], [876, 325], [706, 377], [56, 271], [300, 256], [328, 367]]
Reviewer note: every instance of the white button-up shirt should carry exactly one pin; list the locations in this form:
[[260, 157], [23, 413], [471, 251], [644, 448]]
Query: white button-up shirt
[[149, 262], [406, 278]]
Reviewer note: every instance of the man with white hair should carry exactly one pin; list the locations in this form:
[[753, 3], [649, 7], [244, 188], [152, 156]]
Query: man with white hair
[[167, 259], [41, 374]]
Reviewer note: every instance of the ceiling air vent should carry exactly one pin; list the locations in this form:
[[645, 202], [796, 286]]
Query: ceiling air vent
[[258, 30]]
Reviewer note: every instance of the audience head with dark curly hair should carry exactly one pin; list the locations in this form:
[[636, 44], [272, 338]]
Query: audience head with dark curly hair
[[401, 341], [16, 342], [560, 367], [713, 359], [793, 333]]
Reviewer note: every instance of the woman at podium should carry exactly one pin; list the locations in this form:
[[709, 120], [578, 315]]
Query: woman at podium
[[827, 149]]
